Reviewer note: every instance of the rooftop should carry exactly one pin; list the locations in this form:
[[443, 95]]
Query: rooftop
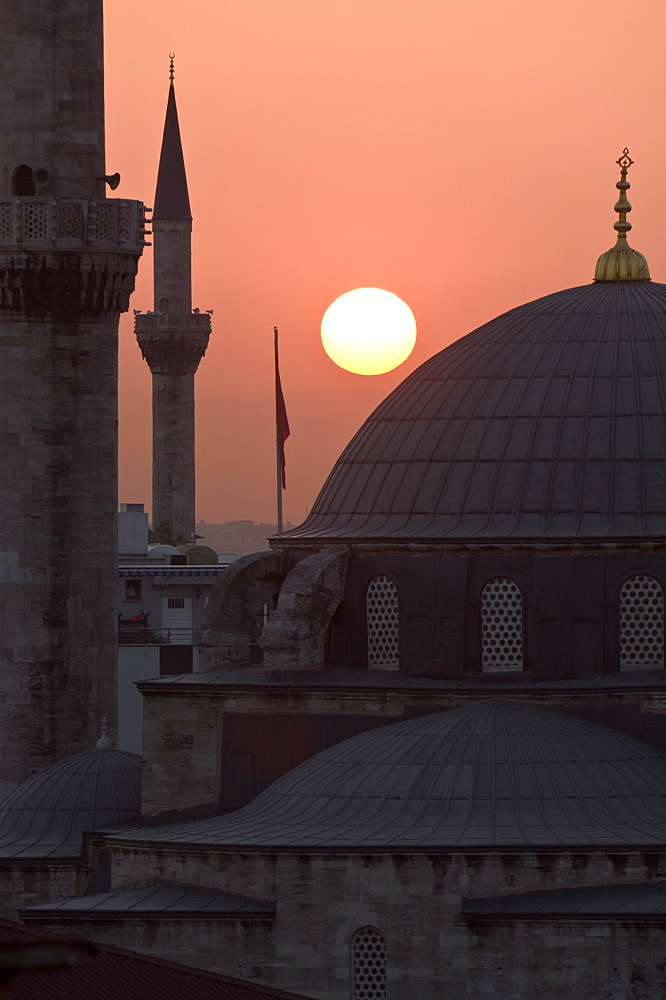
[[548, 422], [495, 773], [621, 901], [112, 973], [155, 897]]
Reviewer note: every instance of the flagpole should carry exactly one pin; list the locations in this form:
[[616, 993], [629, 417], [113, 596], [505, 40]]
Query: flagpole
[[279, 444]]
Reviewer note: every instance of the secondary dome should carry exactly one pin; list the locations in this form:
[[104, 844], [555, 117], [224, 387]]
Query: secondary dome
[[48, 813], [491, 774], [547, 422]]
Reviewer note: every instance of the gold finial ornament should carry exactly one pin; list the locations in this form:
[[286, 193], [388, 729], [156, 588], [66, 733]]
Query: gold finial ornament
[[172, 56], [622, 263]]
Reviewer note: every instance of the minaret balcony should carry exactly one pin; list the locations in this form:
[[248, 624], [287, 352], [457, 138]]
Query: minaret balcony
[[150, 322], [112, 224], [172, 344]]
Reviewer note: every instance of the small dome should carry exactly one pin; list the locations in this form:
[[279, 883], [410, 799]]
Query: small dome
[[48, 813], [159, 551], [546, 422], [491, 774]]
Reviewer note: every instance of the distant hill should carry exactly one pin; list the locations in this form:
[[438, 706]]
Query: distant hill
[[241, 537]]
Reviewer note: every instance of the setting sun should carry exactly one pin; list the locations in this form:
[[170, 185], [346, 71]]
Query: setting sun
[[368, 331]]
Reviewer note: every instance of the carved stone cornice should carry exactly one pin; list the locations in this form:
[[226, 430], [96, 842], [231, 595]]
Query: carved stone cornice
[[63, 259], [65, 286]]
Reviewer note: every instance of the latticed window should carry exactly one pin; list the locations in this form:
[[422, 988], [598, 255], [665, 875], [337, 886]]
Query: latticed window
[[6, 221], [368, 965], [381, 606], [641, 623], [501, 626], [35, 220]]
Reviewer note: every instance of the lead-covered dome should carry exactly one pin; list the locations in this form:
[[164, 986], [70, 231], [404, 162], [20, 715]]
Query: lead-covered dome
[[491, 774], [48, 813], [547, 422]]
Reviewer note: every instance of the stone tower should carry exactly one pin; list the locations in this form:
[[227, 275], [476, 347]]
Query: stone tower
[[173, 338], [68, 259]]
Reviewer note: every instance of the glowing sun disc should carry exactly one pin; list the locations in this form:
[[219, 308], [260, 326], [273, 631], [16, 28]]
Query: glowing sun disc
[[368, 331]]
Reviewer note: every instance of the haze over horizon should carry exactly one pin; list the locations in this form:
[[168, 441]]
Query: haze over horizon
[[460, 156]]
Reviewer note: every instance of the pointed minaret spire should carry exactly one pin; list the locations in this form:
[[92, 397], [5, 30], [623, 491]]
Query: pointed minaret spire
[[172, 200], [173, 338]]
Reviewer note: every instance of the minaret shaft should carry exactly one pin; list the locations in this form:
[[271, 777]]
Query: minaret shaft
[[172, 266], [52, 98], [68, 257], [173, 450]]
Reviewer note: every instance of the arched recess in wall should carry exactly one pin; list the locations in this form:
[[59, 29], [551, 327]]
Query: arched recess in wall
[[641, 623], [368, 965], [23, 181], [501, 626], [382, 623]]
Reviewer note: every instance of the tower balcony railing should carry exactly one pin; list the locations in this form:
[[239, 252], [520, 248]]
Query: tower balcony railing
[[132, 634], [73, 223], [150, 321]]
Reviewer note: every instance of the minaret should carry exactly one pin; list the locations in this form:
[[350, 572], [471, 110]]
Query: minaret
[[68, 259], [173, 338]]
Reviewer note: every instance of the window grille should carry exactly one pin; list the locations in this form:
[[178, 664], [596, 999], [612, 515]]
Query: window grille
[[175, 602], [501, 626], [124, 223], [70, 220], [641, 623], [381, 609], [368, 965], [99, 221], [35, 220], [6, 221]]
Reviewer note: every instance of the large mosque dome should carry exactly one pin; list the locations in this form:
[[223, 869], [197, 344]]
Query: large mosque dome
[[491, 774], [547, 422]]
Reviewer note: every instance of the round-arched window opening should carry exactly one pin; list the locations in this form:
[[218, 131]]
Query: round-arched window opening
[[501, 626], [641, 623], [23, 181], [382, 623], [368, 965]]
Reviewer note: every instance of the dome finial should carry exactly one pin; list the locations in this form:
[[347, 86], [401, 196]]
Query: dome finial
[[622, 263], [105, 742], [172, 56]]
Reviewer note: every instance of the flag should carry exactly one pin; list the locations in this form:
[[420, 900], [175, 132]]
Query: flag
[[281, 422]]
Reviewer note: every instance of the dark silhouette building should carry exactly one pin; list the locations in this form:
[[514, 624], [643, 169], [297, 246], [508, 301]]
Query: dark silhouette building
[[173, 338], [68, 259]]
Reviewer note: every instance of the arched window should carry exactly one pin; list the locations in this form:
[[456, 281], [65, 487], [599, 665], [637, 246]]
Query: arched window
[[381, 614], [641, 623], [501, 626], [23, 181], [368, 965]]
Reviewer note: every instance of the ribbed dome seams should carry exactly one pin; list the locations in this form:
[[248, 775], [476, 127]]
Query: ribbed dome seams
[[547, 422], [492, 774], [48, 814]]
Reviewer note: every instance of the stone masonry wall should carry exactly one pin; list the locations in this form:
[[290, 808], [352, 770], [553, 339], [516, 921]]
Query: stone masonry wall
[[52, 95], [614, 960], [58, 485], [178, 721], [415, 901], [181, 765]]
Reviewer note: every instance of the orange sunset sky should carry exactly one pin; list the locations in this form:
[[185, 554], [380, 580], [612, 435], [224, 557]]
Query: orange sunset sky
[[461, 155]]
